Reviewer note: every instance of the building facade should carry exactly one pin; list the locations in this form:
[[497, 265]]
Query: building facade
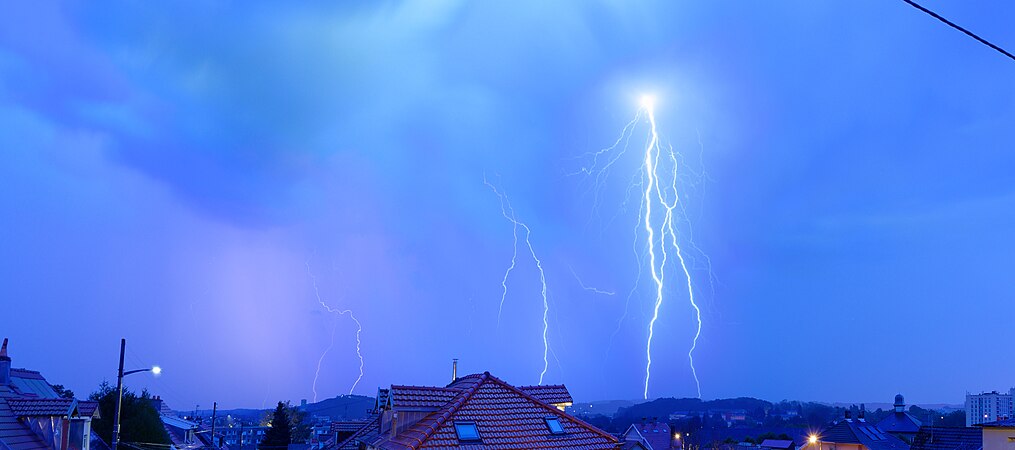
[[989, 407]]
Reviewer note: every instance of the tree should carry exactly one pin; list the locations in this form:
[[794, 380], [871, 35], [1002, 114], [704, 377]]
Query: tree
[[62, 391], [279, 436], [139, 420], [299, 427]]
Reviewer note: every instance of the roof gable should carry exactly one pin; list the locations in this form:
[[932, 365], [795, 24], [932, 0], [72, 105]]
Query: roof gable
[[506, 417]]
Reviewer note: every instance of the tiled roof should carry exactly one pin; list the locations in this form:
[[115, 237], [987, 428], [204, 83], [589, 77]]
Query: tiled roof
[[552, 393], [13, 432], [1006, 423], [899, 422], [777, 443], [27, 374], [857, 431], [36, 407], [948, 438], [367, 433], [423, 397], [506, 418], [88, 408], [382, 399]]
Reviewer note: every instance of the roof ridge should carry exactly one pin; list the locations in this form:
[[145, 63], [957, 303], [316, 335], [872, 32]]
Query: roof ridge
[[552, 409]]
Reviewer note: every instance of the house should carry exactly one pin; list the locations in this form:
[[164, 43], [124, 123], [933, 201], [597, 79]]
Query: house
[[34, 417], [900, 423], [855, 434], [777, 444], [478, 411], [948, 438], [999, 435], [652, 435]]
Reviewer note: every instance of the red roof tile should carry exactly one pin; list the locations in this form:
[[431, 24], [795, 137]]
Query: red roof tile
[[424, 397], [34, 407], [552, 393], [506, 417]]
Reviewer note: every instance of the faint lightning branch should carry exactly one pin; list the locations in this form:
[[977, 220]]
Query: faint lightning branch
[[341, 312], [588, 288], [683, 266], [509, 213], [320, 360]]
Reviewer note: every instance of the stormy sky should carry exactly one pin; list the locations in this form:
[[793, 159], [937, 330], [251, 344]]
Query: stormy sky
[[170, 171]]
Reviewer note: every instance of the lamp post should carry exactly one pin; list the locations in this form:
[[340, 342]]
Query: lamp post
[[119, 391]]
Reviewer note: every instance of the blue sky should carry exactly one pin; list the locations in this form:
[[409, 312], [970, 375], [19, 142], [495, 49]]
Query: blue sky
[[170, 171]]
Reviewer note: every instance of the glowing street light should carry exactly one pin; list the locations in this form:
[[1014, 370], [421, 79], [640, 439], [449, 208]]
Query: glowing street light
[[813, 439], [119, 391]]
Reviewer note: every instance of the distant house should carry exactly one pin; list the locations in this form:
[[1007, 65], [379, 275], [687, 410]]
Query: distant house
[[900, 423], [948, 438], [855, 434], [652, 435], [477, 411], [184, 434], [999, 435], [34, 417], [777, 444]]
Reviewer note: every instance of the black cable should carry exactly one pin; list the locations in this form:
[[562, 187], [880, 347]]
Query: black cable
[[953, 25]]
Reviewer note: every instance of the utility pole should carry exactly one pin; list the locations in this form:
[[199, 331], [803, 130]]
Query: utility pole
[[119, 397], [214, 409]]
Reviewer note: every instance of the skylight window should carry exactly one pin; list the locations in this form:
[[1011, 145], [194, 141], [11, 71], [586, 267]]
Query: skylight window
[[467, 431], [555, 425]]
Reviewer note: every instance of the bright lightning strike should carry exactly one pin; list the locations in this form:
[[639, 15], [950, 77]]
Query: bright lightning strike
[[341, 312], [509, 213], [657, 216]]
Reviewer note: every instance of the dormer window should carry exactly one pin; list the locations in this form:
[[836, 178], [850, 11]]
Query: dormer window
[[467, 431], [554, 425]]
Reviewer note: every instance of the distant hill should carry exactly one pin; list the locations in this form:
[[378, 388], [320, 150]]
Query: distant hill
[[343, 407], [663, 407], [607, 407]]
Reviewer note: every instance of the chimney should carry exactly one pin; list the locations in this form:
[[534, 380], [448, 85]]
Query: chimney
[[156, 402], [849, 414], [454, 370], [863, 410], [5, 366]]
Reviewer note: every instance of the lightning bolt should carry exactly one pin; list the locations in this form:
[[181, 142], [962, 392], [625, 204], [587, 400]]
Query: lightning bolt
[[340, 312], [652, 155], [509, 213], [660, 206]]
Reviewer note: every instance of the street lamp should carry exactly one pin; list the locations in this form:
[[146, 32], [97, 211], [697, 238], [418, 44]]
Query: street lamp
[[119, 391]]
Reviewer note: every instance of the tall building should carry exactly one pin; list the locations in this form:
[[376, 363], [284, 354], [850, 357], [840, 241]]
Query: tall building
[[989, 407]]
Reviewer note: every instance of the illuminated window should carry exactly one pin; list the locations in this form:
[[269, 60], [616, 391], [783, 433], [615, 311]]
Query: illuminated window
[[467, 431], [555, 426]]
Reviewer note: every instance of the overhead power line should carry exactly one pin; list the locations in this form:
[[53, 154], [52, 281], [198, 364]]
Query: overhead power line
[[953, 25]]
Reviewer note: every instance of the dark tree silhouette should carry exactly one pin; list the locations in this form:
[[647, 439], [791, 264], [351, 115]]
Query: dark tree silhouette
[[139, 420], [279, 436]]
